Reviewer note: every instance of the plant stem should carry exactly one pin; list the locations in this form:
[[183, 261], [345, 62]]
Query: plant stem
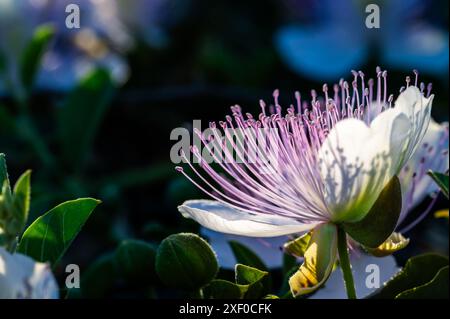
[[345, 264]]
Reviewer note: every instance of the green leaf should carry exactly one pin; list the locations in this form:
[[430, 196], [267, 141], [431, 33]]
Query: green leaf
[[246, 256], [186, 261], [418, 271], [6, 230], [298, 246], [49, 236], [3, 171], [289, 262], [100, 277], [81, 114], [21, 201], [256, 281], [441, 180], [437, 288], [381, 220], [285, 289], [223, 289], [32, 54], [136, 261], [318, 263]]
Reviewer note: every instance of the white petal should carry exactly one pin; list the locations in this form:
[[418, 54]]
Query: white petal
[[356, 161], [365, 269], [21, 277], [222, 218], [417, 108], [268, 249]]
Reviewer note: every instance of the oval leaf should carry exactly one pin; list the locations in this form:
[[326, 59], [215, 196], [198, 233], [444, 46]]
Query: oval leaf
[[32, 55], [418, 271], [22, 193], [289, 263], [435, 289], [441, 180], [49, 236], [3, 171], [257, 282], [381, 220], [99, 279], [246, 256], [223, 289], [186, 261], [136, 261]]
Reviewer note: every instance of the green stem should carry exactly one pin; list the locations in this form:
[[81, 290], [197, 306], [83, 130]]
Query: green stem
[[345, 264]]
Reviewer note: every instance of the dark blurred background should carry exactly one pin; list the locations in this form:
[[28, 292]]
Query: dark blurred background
[[137, 69]]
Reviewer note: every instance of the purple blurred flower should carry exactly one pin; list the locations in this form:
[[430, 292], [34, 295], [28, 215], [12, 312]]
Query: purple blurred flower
[[108, 29], [73, 53]]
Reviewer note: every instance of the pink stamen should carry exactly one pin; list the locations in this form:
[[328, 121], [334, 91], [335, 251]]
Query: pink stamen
[[285, 180]]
